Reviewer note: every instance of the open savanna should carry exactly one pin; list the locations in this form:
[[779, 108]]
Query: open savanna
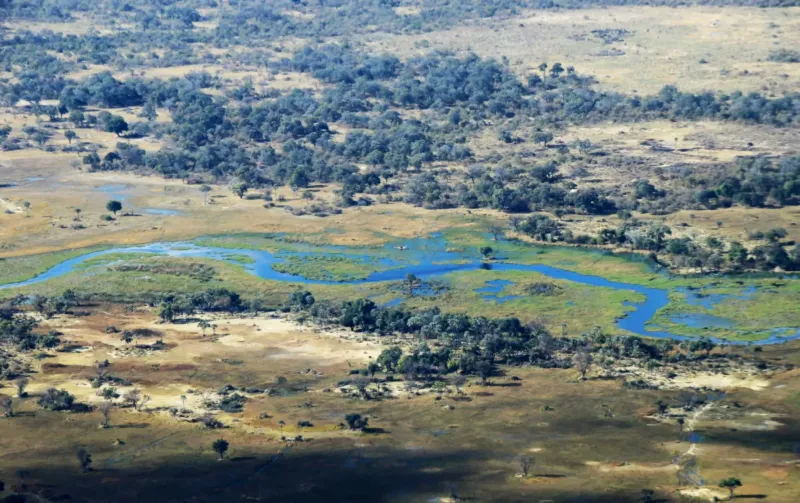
[[694, 48], [55, 190], [422, 447]]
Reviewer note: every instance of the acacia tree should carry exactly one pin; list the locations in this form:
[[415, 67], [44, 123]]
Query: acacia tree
[[205, 189], [22, 383], [484, 369], [132, 398], [389, 358], [105, 409], [101, 371], [7, 406], [166, 312], [220, 446], [543, 137], [361, 384], [582, 361], [525, 464], [457, 381], [114, 206], [731, 483], [116, 124], [411, 282], [496, 231], [372, 368], [240, 189]]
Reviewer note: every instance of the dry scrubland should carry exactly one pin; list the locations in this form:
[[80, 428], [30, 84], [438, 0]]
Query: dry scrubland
[[579, 433]]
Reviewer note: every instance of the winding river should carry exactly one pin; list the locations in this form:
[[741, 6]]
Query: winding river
[[431, 259]]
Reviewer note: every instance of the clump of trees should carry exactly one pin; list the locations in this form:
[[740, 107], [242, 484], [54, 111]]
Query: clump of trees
[[56, 400], [473, 345], [18, 329], [356, 421], [784, 56]]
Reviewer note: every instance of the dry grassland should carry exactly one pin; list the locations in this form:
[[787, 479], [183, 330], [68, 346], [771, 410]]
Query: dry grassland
[[665, 46]]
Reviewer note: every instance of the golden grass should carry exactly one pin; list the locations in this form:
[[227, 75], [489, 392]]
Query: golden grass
[[736, 223], [691, 142], [665, 45], [81, 26]]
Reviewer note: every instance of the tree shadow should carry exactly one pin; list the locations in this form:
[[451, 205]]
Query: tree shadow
[[23, 413], [375, 431], [301, 474], [505, 385], [131, 426]]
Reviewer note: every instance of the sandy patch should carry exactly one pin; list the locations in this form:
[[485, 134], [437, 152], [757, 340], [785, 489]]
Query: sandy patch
[[631, 467], [720, 381], [705, 493]]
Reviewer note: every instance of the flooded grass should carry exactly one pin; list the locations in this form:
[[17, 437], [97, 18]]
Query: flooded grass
[[14, 269], [586, 291]]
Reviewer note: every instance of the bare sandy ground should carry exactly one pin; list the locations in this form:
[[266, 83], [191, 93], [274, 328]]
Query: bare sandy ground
[[283, 348]]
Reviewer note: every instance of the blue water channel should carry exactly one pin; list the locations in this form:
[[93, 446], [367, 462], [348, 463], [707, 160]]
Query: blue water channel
[[427, 259]]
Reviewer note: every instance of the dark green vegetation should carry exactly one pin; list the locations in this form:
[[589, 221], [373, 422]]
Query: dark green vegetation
[[473, 346], [785, 56]]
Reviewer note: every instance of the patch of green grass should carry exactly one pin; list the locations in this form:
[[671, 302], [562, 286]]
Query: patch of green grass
[[327, 268], [581, 307], [240, 258], [278, 243], [150, 284], [109, 259], [754, 316], [16, 269]]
